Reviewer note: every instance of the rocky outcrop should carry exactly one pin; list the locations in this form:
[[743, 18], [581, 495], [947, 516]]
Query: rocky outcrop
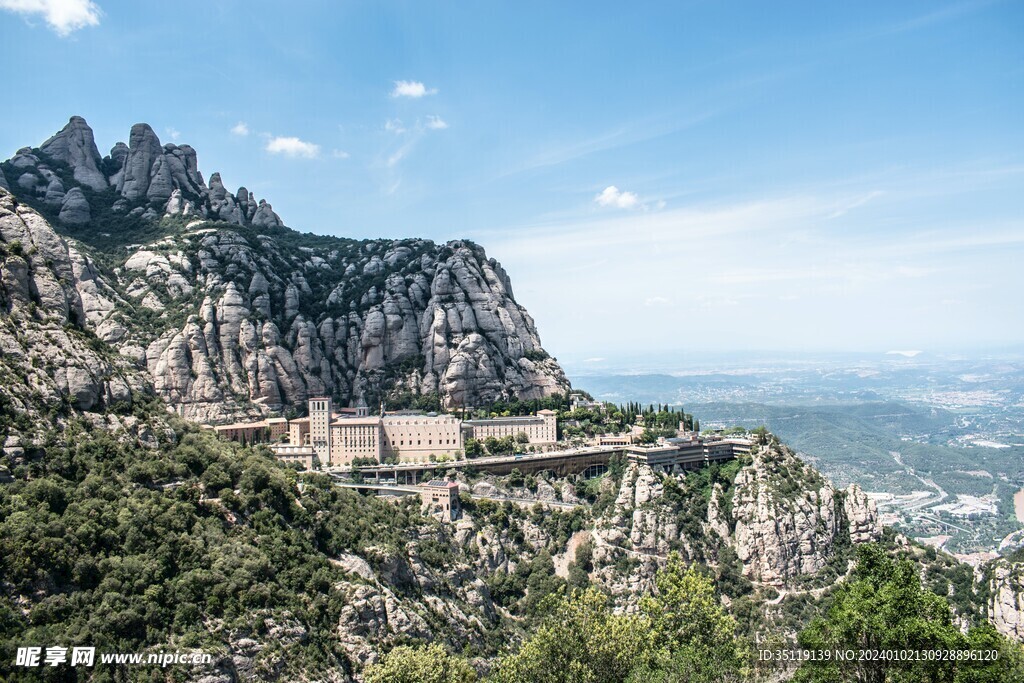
[[274, 325], [1006, 601], [395, 596], [74, 145], [861, 515], [45, 353], [74, 209], [251, 323], [777, 537], [788, 518], [149, 179], [782, 519]]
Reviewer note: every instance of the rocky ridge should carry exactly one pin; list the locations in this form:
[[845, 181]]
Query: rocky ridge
[[142, 178], [232, 315], [781, 534]]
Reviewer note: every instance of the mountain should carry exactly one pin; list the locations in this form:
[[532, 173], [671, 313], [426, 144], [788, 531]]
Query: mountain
[[126, 528], [230, 313]]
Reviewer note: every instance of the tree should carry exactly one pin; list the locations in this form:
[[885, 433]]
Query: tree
[[473, 447], [430, 664], [884, 608], [648, 437], [522, 438], [580, 641], [696, 639]]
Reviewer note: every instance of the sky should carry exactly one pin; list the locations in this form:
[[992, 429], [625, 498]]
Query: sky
[[665, 178]]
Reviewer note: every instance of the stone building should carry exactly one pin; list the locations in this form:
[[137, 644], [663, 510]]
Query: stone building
[[540, 429], [442, 498], [336, 438]]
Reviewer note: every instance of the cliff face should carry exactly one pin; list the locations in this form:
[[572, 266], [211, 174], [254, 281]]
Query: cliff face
[[273, 324], [50, 364], [232, 314], [781, 518], [788, 519], [1006, 604]]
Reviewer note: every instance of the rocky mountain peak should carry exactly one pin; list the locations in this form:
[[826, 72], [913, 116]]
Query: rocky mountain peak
[[149, 179], [75, 146], [227, 320]]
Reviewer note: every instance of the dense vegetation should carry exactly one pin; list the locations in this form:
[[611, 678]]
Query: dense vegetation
[[108, 544], [682, 633]]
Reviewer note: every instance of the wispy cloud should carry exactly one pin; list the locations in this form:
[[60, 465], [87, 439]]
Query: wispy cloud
[[293, 147], [623, 135], [173, 133], [436, 123], [63, 16], [947, 13], [852, 204], [412, 89], [408, 137], [778, 260], [241, 129], [340, 154]]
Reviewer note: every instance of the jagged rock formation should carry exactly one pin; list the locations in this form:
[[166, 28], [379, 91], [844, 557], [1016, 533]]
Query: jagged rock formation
[[1006, 602], [788, 518], [455, 603], [783, 521], [75, 146], [48, 294], [779, 517], [231, 314], [274, 325], [143, 178], [861, 515]]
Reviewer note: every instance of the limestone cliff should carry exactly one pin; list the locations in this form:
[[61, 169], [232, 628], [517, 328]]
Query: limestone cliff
[[50, 363], [780, 516], [232, 314], [1006, 601]]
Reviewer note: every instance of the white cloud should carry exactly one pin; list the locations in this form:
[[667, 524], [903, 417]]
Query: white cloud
[[413, 89], [293, 147], [340, 154], [436, 123], [612, 196], [657, 301], [63, 16], [394, 126], [240, 129], [173, 134]]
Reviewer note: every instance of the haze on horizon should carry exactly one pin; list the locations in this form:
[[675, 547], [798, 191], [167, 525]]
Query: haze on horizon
[[673, 178]]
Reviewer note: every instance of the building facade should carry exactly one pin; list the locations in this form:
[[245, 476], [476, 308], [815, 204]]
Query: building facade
[[337, 438], [320, 416], [414, 438], [541, 429]]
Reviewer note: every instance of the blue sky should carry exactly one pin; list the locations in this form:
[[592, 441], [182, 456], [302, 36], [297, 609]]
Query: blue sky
[[669, 177]]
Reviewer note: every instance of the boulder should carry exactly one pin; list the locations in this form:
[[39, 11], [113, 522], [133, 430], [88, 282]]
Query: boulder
[[74, 210]]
